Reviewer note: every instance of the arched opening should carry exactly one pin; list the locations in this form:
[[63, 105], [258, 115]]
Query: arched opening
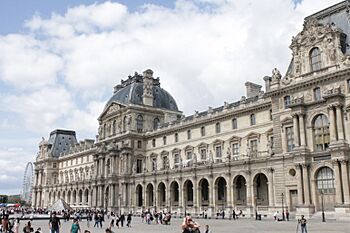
[[161, 194], [69, 195], [139, 195], [58, 195], [204, 192], [50, 199], [150, 196], [188, 185], [315, 59], [64, 196], [86, 197], [321, 132], [174, 190], [261, 190], [240, 191], [325, 185], [221, 191], [80, 196], [74, 199], [54, 197]]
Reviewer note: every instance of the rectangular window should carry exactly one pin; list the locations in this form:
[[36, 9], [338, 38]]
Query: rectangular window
[[164, 140], [234, 123], [189, 154], [188, 134], [176, 158], [54, 165], [176, 137], [139, 144], [290, 138], [348, 85], [165, 162], [154, 142], [87, 158], [139, 166], [203, 154], [254, 146], [218, 151], [235, 150]]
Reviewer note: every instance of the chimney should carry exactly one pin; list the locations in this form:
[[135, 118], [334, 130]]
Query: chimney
[[148, 87], [252, 89]]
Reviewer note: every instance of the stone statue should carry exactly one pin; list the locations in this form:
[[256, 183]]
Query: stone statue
[[228, 154], [276, 75], [211, 158], [134, 168], [180, 162], [248, 149], [194, 158], [269, 148]]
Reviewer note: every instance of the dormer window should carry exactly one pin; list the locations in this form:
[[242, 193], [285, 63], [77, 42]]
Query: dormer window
[[315, 59], [287, 101], [252, 119], [155, 123], [217, 127]]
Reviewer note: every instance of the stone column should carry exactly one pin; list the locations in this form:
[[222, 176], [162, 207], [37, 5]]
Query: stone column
[[313, 192], [296, 130], [97, 168], [167, 195], [270, 186], [299, 184], [183, 200], [36, 178], [306, 184], [112, 163], [229, 194], [332, 127], [340, 122], [345, 178], [34, 199], [338, 191], [302, 130], [284, 140]]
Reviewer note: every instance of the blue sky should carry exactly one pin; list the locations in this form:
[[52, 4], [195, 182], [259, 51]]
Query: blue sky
[[59, 60]]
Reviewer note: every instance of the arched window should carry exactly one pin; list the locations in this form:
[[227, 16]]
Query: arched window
[[217, 127], [234, 123], [139, 123], [252, 119], [202, 131], [114, 127], [286, 101], [321, 132], [325, 180], [315, 59], [155, 123], [189, 134]]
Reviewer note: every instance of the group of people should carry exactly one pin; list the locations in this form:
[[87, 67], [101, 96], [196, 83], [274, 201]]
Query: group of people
[[157, 217]]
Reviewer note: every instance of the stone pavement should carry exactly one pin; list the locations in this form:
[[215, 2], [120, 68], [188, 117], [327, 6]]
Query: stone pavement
[[217, 226]]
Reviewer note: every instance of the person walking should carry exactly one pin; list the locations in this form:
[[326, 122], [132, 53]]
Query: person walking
[[54, 224], [75, 226], [303, 222], [234, 214], [16, 226], [287, 214], [128, 220]]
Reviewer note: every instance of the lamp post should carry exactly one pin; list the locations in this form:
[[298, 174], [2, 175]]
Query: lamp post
[[283, 217], [323, 215]]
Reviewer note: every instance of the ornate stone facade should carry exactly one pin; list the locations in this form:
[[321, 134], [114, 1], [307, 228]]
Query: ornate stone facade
[[288, 145]]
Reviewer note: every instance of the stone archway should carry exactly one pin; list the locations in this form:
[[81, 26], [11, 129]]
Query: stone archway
[[203, 192], [139, 195], [240, 191], [325, 189], [188, 195], [150, 195], [161, 194], [221, 192], [86, 197], [175, 194], [261, 190]]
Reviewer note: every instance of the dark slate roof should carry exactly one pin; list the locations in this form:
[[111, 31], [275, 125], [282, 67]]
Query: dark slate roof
[[60, 141], [338, 16], [131, 91]]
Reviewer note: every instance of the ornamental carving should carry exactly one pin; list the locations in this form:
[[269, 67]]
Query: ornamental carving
[[326, 37]]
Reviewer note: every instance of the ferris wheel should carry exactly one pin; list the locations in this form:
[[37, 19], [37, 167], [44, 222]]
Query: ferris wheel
[[28, 183]]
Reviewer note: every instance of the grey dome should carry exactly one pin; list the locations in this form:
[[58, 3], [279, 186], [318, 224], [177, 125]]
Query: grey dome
[[131, 91]]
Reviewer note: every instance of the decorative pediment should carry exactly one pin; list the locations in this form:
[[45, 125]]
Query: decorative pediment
[[287, 120], [269, 132], [176, 150], [253, 135], [327, 38], [235, 139], [202, 144], [111, 109], [218, 141], [164, 152], [187, 148]]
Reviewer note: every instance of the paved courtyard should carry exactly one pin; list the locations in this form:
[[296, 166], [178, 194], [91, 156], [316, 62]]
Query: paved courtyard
[[217, 226]]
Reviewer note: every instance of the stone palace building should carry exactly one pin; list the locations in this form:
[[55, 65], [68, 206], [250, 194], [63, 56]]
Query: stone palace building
[[286, 146]]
